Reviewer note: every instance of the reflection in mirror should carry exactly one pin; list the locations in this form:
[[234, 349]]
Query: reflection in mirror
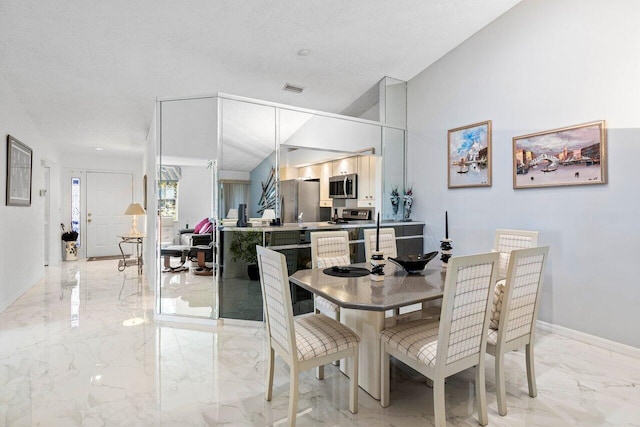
[[246, 170], [393, 176], [330, 133], [185, 191]]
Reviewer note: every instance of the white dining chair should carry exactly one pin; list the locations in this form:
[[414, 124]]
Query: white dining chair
[[516, 323], [507, 240], [329, 249], [304, 343], [457, 342], [387, 242]]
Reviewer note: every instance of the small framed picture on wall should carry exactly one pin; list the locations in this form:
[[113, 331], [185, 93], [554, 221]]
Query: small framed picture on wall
[[469, 156], [19, 163]]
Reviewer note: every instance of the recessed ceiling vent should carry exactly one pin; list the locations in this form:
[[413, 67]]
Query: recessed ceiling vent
[[291, 88]]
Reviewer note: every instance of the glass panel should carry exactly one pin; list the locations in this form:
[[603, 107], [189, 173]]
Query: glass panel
[[393, 175], [247, 181], [188, 147], [75, 207]]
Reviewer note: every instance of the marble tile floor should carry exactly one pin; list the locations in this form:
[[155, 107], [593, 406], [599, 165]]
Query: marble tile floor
[[81, 349]]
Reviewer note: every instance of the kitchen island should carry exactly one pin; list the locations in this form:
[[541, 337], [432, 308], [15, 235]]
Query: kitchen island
[[241, 298]]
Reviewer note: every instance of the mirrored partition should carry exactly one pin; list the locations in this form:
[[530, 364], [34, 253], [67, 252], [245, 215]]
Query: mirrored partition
[[242, 166], [393, 155], [247, 192], [184, 199]]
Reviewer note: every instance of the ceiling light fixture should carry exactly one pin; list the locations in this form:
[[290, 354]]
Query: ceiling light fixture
[[304, 52], [292, 88], [99, 149]]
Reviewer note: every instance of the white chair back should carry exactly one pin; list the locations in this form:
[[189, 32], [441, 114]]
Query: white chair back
[[387, 242], [276, 295], [330, 248], [506, 241], [465, 309], [522, 293]]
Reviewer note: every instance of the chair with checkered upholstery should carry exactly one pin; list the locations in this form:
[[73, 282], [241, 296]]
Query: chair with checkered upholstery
[[457, 342], [303, 343], [387, 242], [515, 326], [328, 249], [507, 240]]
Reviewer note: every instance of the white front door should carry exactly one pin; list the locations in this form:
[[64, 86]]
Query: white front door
[[108, 195]]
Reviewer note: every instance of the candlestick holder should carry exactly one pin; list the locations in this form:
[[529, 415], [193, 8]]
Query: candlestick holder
[[446, 250], [377, 266]]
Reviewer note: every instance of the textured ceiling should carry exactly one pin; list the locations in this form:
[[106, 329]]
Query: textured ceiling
[[88, 72]]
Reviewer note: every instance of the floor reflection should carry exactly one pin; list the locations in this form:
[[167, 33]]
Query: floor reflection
[[117, 367]]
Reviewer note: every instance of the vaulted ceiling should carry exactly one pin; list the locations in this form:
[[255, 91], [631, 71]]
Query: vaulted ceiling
[[88, 72]]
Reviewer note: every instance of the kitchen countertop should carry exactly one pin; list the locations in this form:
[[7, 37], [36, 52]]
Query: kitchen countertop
[[324, 225]]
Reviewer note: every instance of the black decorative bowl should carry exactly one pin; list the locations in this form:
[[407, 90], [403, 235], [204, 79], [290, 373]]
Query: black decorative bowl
[[414, 263]]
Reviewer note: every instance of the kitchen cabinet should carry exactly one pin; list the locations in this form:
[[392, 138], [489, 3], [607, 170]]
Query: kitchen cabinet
[[326, 171], [288, 173], [345, 166], [366, 181], [309, 172]]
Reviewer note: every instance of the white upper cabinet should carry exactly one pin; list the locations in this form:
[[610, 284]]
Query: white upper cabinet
[[326, 172], [345, 166], [309, 172], [366, 181]]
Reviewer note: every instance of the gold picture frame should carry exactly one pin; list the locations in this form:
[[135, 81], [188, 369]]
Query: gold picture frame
[[469, 156], [572, 155]]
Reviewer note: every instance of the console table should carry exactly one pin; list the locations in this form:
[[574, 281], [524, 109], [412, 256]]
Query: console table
[[137, 242]]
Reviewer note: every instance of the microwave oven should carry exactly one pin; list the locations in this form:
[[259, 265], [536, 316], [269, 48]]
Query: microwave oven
[[343, 186]]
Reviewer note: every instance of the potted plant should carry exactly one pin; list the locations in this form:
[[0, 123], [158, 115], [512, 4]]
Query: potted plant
[[69, 249], [243, 248]]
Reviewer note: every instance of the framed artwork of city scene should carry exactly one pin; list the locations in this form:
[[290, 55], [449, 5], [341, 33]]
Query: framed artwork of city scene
[[469, 156], [574, 155], [19, 163]]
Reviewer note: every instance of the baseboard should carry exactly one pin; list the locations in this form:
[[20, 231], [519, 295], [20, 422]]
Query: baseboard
[[617, 347], [17, 294]]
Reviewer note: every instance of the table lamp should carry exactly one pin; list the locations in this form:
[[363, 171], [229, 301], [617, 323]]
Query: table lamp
[[134, 209]]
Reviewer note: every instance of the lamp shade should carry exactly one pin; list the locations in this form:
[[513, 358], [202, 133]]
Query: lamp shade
[[134, 209]]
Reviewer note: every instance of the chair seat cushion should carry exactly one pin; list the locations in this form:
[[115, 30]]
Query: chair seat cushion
[[325, 306], [318, 335], [496, 307], [418, 340]]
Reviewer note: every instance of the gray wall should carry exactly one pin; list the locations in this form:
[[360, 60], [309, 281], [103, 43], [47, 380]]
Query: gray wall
[[544, 64]]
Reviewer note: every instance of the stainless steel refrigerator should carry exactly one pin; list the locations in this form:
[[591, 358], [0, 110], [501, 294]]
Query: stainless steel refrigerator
[[299, 197]]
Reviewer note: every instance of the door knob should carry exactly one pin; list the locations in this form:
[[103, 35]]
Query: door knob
[[89, 220]]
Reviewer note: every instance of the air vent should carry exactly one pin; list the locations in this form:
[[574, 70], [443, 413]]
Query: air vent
[[292, 88]]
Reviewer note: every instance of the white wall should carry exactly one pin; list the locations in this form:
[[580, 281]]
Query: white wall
[[194, 196], [22, 228], [544, 64]]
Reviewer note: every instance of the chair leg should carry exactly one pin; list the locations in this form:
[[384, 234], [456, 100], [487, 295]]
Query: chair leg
[[293, 396], [439, 414], [501, 392], [353, 382], [337, 362], [531, 372], [481, 395], [320, 372], [384, 377], [269, 390]]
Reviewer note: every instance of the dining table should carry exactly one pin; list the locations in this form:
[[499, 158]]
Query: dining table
[[363, 303]]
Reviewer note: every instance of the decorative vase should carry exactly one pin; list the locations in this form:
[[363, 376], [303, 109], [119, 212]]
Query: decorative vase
[[253, 272], [408, 203], [395, 205]]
